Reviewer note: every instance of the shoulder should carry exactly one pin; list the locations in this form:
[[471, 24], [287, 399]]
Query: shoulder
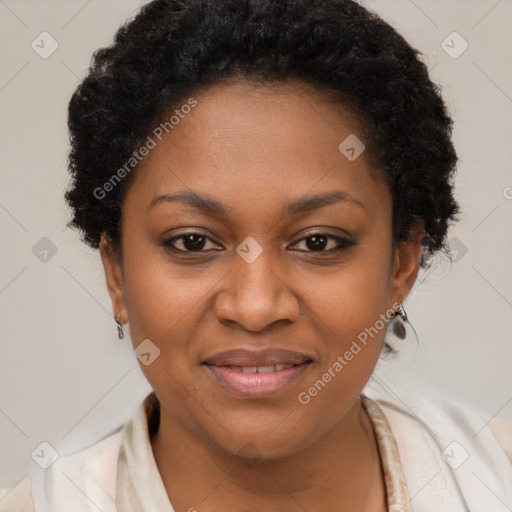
[[92, 471], [467, 453], [444, 414], [502, 432], [93, 467], [17, 498]]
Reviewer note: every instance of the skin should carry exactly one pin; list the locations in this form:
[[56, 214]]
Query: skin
[[253, 148]]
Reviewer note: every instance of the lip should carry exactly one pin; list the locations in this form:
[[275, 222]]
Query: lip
[[262, 357], [226, 369]]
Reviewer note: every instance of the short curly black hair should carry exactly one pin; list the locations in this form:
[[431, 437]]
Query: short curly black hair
[[172, 48]]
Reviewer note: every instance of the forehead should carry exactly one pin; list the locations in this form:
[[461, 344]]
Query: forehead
[[244, 143]]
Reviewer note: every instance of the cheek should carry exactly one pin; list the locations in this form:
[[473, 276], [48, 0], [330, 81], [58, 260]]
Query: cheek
[[354, 317], [164, 304], [158, 295], [353, 327], [353, 297]]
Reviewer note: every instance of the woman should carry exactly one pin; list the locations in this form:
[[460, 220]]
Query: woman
[[263, 181]]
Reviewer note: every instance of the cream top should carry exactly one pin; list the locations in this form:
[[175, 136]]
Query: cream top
[[119, 472], [139, 486]]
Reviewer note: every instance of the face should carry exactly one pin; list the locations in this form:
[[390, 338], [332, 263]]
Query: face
[[257, 295]]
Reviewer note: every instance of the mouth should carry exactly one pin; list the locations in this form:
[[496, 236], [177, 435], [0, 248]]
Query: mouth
[[261, 374]]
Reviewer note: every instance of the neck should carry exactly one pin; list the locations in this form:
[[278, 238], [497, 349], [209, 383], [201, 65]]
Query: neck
[[340, 471]]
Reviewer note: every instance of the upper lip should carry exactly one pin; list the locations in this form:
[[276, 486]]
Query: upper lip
[[262, 357]]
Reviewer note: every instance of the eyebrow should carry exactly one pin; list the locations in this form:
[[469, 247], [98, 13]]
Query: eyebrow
[[294, 207]]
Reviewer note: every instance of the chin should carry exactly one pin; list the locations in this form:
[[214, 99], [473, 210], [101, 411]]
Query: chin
[[263, 440]]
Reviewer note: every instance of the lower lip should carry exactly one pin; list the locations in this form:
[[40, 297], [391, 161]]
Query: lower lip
[[256, 385]]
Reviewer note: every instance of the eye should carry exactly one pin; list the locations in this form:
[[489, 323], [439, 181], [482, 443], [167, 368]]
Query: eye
[[317, 242], [191, 241]]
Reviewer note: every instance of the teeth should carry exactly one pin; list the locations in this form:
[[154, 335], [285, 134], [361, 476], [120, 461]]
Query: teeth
[[265, 369], [261, 369]]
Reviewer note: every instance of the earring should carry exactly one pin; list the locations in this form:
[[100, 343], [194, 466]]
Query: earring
[[120, 332], [398, 327], [401, 312]]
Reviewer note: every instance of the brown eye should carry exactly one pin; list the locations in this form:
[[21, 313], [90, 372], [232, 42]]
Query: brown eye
[[191, 242], [318, 242]]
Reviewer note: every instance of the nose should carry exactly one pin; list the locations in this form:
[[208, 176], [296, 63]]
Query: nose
[[256, 295]]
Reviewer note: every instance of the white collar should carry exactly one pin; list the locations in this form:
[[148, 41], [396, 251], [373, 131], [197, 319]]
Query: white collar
[[423, 428], [139, 483]]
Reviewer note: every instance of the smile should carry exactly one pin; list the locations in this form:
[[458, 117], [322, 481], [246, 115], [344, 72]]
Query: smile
[[257, 381]]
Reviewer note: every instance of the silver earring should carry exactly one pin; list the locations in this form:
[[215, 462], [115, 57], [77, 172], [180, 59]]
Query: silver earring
[[401, 312], [120, 332], [399, 327]]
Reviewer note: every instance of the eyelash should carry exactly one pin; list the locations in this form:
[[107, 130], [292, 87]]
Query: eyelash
[[343, 243]]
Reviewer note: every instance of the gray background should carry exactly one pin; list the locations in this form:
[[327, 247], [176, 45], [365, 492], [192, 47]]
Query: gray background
[[65, 376]]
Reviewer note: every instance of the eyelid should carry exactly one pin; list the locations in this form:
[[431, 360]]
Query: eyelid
[[326, 231]]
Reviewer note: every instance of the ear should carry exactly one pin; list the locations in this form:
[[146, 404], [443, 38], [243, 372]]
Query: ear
[[114, 277], [406, 264]]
